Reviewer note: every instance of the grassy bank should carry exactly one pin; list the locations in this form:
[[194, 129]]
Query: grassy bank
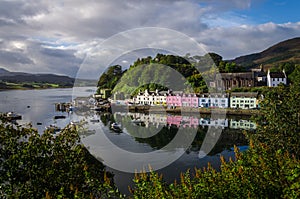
[[29, 85]]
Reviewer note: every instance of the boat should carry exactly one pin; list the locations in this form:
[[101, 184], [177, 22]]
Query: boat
[[13, 116], [53, 128], [59, 117], [116, 127], [94, 120], [71, 108], [74, 122]]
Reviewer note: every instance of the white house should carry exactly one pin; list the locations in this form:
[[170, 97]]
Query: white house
[[275, 78], [151, 98], [246, 100]]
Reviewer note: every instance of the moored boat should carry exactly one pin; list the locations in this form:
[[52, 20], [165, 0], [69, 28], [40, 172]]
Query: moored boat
[[59, 117], [13, 116], [116, 127]]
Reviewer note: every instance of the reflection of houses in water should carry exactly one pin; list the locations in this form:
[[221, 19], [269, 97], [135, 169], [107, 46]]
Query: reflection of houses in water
[[150, 119], [242, 124], [213, 122], [191, 122], [174, 120], [188, 121]]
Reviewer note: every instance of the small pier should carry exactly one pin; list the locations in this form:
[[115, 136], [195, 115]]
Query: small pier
[[63, 107]]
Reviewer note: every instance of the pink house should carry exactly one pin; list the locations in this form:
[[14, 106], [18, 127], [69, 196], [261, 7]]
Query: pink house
[[189, 100], [174, 100]]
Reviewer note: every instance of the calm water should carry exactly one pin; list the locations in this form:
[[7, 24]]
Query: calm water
[[37, 106], [139, 133]]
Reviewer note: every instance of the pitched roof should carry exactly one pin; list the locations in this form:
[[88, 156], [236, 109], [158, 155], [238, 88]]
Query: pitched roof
[[244, 94], [277, 75], [246, 75]]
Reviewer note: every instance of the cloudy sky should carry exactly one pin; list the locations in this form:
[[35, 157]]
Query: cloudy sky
[[58, 36]]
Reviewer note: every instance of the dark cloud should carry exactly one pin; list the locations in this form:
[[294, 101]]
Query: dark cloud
[[54, 36], [10, 58], [231, 42]]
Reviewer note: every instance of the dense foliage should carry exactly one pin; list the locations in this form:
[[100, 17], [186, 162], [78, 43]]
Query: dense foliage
[[269, 169], [49, 166], [279, 122], [256, 174], [110, 78], [157, 73]]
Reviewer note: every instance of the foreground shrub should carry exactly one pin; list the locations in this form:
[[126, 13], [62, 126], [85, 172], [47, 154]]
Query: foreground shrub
[[49, 166], [256, 173]]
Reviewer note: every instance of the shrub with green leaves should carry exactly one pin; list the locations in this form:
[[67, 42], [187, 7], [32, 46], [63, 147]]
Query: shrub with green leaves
[[49, 166], [257, 173]]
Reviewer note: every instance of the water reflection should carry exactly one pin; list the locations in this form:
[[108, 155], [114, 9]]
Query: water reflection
[[157, 130], [142, 133], [158, 120]]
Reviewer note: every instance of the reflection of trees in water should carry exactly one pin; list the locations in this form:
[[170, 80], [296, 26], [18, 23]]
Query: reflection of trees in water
[[228, 139], [158, 137], [107, 118]]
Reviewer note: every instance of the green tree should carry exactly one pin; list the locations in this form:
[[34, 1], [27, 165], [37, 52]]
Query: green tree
[[110, 78], [279, 122], [49, 166], [288, 67], [215, 57]]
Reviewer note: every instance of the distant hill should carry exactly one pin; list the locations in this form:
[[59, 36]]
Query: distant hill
[[285, 51], [17, 77], [28, 78], [3, 71]]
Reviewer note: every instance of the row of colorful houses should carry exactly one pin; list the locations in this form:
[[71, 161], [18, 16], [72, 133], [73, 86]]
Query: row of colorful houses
[[246, 100]]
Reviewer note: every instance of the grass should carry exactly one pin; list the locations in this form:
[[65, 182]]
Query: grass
[[27, 85]]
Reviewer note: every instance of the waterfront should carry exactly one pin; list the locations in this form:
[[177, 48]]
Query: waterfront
[[39, 106]]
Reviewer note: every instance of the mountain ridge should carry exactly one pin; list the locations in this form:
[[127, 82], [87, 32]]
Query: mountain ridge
[[284, 51], [40, 78]]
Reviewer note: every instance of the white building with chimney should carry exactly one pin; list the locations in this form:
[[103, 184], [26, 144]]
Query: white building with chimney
[[275, 78]]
